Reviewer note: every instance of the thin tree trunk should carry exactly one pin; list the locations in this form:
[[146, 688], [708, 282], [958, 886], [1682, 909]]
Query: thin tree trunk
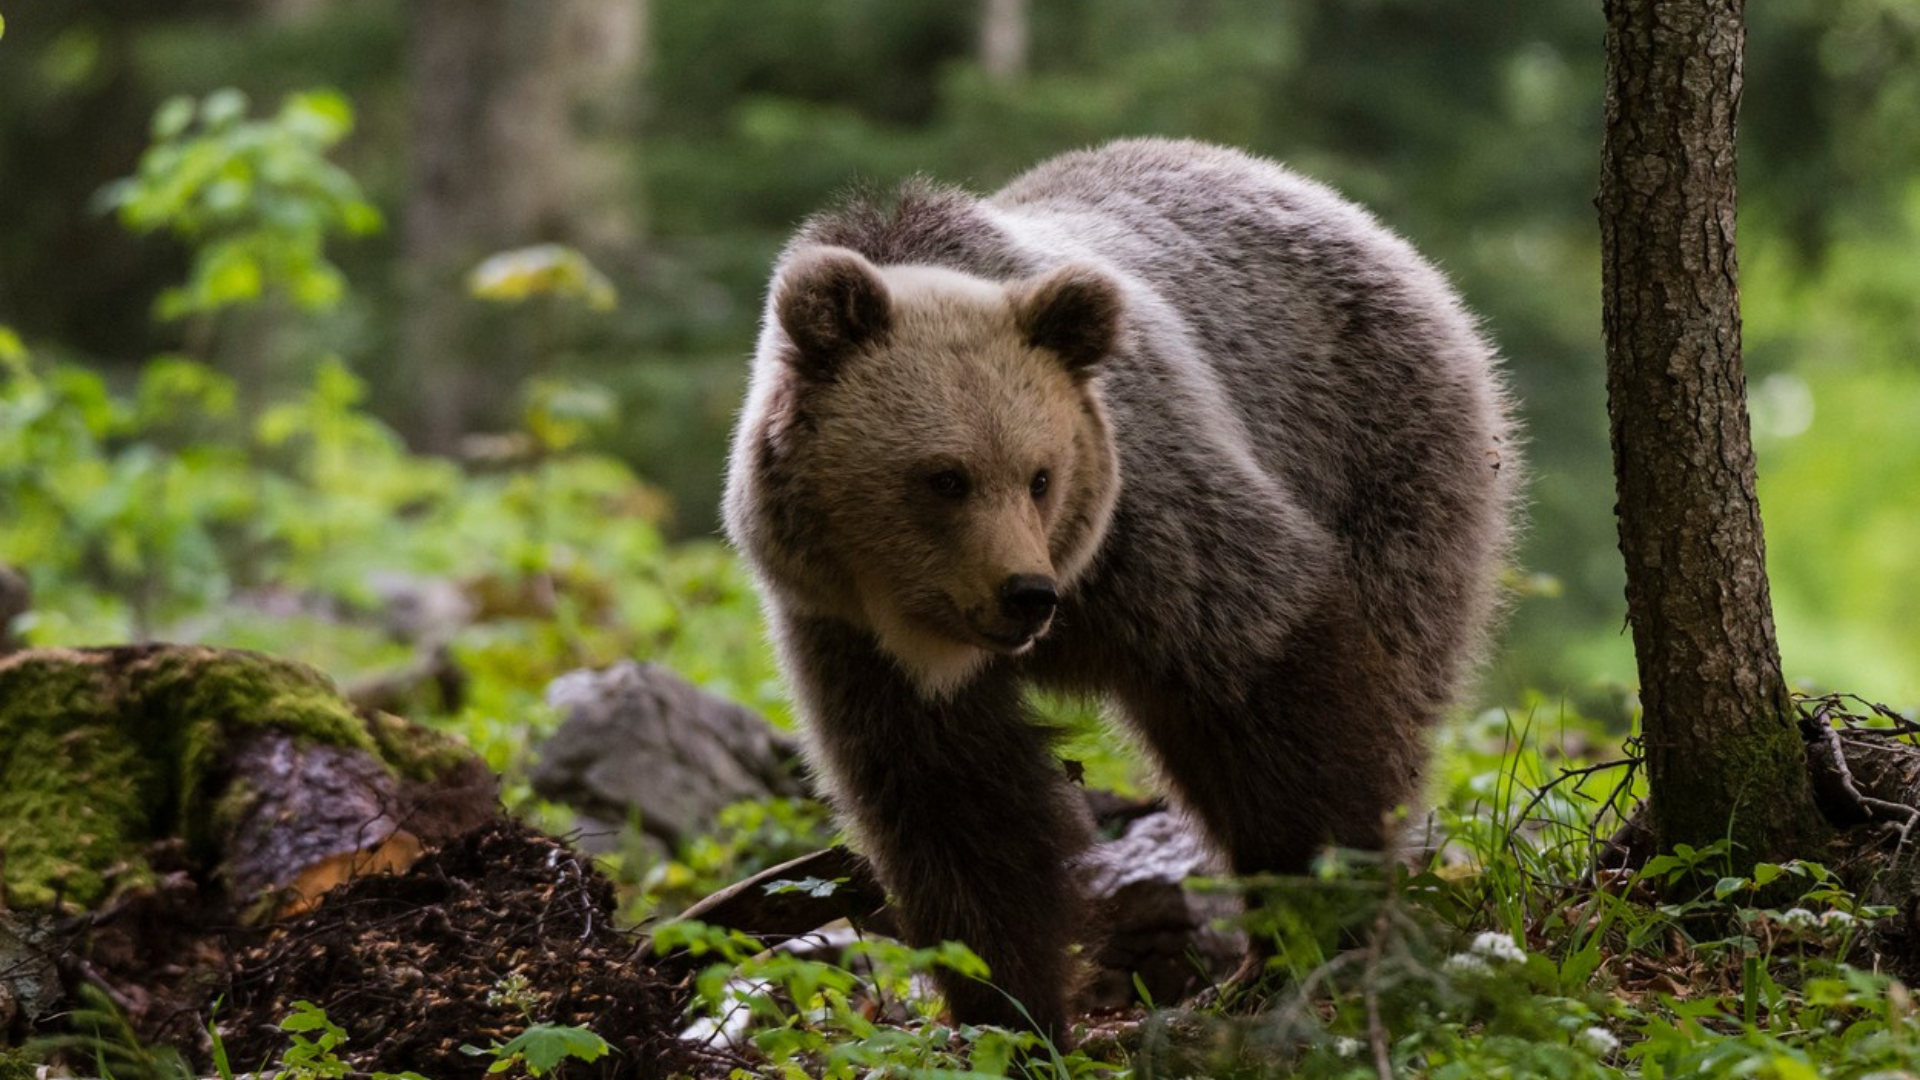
[[446, 226], [522, 132], [1003, 40], [1724, 757]]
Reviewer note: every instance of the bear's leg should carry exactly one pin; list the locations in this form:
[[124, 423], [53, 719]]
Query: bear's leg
[[963, 810], [1318, 749]]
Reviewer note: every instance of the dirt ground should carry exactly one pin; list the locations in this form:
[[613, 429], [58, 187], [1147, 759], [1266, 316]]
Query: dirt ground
[[500, 928]]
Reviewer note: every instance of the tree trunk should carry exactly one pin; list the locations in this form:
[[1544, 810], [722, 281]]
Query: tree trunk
[[1003, 40], [1724, 756], [522, 132]]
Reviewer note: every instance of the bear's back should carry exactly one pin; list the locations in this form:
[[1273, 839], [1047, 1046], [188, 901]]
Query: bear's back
[[1292, 319], [1337, 347]]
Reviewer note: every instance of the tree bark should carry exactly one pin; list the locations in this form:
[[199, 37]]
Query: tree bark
[[1003, 41], [1724, 756], [522, 132]]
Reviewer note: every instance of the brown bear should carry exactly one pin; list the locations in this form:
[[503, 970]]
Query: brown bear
[[1161, 422]]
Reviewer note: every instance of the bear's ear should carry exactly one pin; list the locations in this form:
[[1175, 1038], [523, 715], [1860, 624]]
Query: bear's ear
[[1073, 310], [830, 301]]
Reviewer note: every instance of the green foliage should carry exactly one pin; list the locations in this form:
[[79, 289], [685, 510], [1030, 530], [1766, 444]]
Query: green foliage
[[95, 497], [1602, 975], [162, 510], [257, 199], [17, 1063], [860, 1017], [747, 837], [313, 1044], [543, 1048], [100, 1035], [313, 1048]]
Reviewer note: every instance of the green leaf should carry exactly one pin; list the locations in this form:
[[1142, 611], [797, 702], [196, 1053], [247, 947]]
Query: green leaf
[[1727, 886], [222, 1067], [223, 107], [361, 218], [306, 1016], [992, 1052], [335, 384], [172, 118], [173, 386], [12, 352], [1580, 966], [1662, 864], [544, 269], [324, 116], [545, 1046]]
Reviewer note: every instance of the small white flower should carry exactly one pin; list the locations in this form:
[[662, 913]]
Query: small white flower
[[1837, 919], [1498, 947], [1597, 1041], [1346, 1047], [1466, 964], [1798, 919]]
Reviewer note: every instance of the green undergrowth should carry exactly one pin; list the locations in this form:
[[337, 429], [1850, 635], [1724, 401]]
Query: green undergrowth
[[173, 505], [1500, 953]]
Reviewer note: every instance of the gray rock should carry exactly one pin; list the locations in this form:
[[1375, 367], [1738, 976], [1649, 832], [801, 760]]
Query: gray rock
[[1156, 927], [420, 609], [638, 740]]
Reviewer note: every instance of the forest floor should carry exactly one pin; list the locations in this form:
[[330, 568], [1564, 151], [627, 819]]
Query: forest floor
[[501, 924]]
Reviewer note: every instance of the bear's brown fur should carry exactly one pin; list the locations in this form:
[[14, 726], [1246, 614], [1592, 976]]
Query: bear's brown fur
[[1158, 421]]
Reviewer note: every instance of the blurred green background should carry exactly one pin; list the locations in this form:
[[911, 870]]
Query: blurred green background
[[677, 142]]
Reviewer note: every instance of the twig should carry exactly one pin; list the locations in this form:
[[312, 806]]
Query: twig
[[1370, 993], [1369, 977], [1583, 772], [1823, 710], [1844, 787]]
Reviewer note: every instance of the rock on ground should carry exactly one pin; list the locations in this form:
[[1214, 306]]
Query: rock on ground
[[1156, 927], [639, 740]]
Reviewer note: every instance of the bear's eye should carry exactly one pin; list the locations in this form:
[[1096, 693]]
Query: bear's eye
[[1039, 485], [949, 484]]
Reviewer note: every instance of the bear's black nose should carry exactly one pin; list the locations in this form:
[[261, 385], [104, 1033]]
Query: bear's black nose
[[1029, 598]]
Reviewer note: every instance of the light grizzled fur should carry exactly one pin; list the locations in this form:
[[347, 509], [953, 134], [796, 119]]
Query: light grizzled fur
[[1282, 479]]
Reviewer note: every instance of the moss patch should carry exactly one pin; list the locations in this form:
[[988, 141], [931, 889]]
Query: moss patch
[[103, 750]]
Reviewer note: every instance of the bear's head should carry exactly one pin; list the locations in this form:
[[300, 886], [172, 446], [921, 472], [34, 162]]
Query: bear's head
[[953, 462]]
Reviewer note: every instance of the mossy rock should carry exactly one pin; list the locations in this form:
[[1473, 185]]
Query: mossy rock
[[105, 750]]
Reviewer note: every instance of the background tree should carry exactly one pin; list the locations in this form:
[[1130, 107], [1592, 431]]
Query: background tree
[[1724, 757], [521, 132], [1003, 40]]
